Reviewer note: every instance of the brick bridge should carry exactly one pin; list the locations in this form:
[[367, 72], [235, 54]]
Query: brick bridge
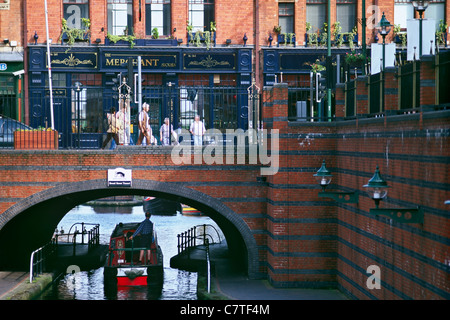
[[277, 225]]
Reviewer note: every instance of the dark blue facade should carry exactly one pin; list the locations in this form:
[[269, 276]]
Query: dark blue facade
[[85, 80]]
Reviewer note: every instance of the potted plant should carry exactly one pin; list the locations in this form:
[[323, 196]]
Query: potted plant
[[324, 35], [441, 33], [316, 66], [41, 139], [338, 36], [311, 37], [399, 36], [354, 59], [70, 35]]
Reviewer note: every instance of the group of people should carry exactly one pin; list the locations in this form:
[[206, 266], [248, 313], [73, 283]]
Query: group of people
[[118, 129]]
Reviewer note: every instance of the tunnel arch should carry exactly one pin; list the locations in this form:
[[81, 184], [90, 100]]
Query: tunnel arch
[[46, 208]]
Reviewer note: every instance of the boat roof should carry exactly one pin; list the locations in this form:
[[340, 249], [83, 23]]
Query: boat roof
[[121, 227]]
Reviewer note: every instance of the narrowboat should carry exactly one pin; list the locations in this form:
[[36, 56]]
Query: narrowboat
[[123, 268], [159, 206]]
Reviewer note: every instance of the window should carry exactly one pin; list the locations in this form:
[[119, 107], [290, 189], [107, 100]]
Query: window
[[120, 17], [436, 11], [157, 15], [87, 103], [316, 13], [286, 17], [74, 11], [201, 14], [403, 10], [346, 14]]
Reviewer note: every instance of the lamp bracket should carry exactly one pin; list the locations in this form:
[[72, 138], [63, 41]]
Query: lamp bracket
[[344, 197], [404, 215]]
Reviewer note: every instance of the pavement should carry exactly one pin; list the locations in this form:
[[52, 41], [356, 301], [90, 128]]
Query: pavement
[[231, 283], [9, 280]]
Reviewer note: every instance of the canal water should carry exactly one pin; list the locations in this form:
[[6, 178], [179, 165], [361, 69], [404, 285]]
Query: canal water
[[88, 285]]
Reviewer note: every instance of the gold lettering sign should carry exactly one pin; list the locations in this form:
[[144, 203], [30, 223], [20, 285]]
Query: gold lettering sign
[[159, 61]]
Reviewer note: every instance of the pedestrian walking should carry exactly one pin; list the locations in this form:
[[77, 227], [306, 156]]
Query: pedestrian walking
[[145, 130], [113, 128], [198, 130], [165, 133]]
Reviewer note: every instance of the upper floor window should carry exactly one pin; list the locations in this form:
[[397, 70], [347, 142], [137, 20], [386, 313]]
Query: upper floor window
[[120, 17], [286, 17], [436, 11], [403, 11], [157, 15], [316, 13], [201, 14], [74, 11], [346, 14]]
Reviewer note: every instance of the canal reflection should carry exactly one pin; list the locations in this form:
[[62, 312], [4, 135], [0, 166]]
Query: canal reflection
[[89, 285]]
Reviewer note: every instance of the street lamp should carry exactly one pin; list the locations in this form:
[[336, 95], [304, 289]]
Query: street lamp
[[377, 189], [420, 6], [323, 177], [384, 28]]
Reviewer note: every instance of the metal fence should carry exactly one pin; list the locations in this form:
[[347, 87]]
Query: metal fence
[[79, 114]]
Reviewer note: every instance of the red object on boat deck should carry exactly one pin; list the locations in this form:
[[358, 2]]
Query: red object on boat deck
[[138, 281]]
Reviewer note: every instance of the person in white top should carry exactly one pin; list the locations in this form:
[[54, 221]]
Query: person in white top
[[144, 126], [197, 130], [165, 133]]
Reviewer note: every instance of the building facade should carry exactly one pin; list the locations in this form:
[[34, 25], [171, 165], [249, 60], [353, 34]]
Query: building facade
[[197, 57], [11, 59]]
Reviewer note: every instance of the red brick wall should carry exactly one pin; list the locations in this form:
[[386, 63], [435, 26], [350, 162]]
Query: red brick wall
[[11, 23], [314, 242], [233, 18]]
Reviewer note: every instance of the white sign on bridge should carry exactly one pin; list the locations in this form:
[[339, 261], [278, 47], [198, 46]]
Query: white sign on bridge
[[119, 177]]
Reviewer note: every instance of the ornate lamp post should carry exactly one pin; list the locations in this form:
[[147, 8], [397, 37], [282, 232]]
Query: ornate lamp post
[[420, 6], [384, 28]]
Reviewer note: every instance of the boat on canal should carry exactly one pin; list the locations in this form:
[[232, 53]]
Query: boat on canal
[[122, 266], [160, 206]]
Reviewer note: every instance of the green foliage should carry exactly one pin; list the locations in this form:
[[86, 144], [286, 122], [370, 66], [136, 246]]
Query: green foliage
[[440, 33], [155, 33], [74, 34], [115, 39]]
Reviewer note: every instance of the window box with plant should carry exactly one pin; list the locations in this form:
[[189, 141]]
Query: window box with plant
[[40, 139], [287, 39], [197, 38], [399, 36], [122, 40], [350, 38], [72, 35]]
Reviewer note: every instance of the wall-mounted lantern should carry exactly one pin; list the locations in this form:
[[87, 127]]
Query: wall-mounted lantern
[[377, 189], [323, 177]]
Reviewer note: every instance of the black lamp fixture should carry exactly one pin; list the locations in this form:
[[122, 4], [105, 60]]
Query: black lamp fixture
[[245, 39], [323, 177], [377, 189], [420, 6], [384, 27], [270, 39]]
